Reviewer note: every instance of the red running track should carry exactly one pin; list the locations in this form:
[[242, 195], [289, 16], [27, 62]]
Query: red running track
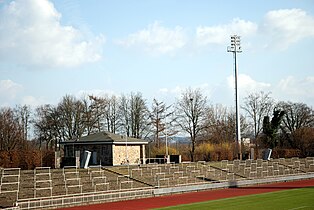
[[194, 197]]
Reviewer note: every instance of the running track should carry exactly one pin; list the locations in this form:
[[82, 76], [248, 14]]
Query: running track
[[193, 197]]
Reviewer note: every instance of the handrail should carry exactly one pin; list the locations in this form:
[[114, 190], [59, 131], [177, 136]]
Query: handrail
[[59, 201]]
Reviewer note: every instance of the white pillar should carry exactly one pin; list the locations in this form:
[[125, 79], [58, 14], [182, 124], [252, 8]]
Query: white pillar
[[143, 152]]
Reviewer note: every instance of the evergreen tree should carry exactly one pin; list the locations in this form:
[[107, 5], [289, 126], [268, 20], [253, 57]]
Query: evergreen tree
[[270, 128]]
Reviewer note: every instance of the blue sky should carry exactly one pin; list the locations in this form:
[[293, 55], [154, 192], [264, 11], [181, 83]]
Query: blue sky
[[52, 48]]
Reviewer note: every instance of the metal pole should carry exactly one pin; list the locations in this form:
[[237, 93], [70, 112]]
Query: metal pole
[[234, 48], [238, 129], [166, 137], [192, 130]]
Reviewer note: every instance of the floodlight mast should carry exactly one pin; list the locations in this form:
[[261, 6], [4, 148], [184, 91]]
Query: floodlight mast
[[236, 48], [166, 132]]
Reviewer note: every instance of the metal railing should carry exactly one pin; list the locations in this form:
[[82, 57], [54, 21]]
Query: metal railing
[[42, 180], [70, 200], [182, 180], [10, 181]]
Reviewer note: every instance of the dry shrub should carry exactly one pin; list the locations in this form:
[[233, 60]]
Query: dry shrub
[[14, 159], [204, 151], [48, 158], [4, 159], [215, 152], [179, 149], [225, 151], [157, 151], [162, 150], [285, 153], [304, 140], [26, 159], [33, 159]]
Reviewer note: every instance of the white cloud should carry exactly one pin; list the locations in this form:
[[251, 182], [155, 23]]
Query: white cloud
[[176, 92], [32, 35], [279, 29], [287, 26], [12, 93], [9, 89], [246, 84], [157, 39], [33, 101], [163, 90], [220, 34], [95, 92], [293, 89]]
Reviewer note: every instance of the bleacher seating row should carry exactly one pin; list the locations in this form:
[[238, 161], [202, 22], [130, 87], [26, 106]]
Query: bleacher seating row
[[164, 175], [19, 184]]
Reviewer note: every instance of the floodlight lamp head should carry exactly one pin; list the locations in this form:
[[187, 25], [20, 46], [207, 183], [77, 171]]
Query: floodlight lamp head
[[230, 49], [235, 44]]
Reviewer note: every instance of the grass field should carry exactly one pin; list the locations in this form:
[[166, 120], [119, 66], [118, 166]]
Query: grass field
[[295, 199]]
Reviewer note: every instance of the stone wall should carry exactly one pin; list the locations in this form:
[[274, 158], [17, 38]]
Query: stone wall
[[120, 152]]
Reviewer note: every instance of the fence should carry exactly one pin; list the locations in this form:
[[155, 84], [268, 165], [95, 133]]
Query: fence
[[179, 177], [61, 201], [72, 179], [10, 181], [42, 180]]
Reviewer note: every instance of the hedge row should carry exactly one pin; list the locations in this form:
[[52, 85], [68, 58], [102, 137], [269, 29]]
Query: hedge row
[[285, 153], [26, 159]]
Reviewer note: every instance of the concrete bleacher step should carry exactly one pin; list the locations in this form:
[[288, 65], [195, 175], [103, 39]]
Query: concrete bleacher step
[[120, 174], [58, 186], [7, 200], [154, 175]]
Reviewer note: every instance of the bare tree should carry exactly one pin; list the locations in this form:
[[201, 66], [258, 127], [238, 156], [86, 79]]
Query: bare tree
[[47, 126], [304, 141], [94, 113], [11, 135], [161, 120], [297, 116], [139, 115], [191, 112], [133, 114], [23, 115], [221, 124], [111, 114], [61, 123], [71, 113], [258, 105], [124, 115]]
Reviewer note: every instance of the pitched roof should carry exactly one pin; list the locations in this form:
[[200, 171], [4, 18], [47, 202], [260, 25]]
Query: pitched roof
[[106, 137]]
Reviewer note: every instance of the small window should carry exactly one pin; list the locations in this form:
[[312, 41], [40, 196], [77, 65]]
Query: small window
[[69, 151], [104, 150]]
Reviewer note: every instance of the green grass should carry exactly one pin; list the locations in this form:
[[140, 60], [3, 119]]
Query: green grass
[[296, 199]]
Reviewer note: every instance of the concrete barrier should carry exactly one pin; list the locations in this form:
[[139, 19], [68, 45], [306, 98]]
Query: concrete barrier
[[189, 188]]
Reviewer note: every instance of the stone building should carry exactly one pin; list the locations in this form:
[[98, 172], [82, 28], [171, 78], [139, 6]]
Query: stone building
[[107, 149]]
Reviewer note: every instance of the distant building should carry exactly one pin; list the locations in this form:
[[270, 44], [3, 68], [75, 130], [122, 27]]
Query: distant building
[[107, 149], [246, 141]]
